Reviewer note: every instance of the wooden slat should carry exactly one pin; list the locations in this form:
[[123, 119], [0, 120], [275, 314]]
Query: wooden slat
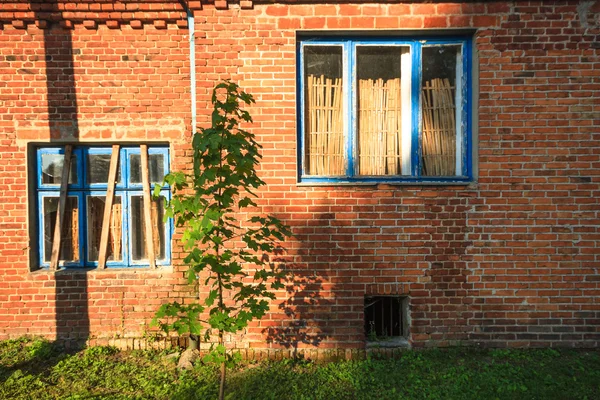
[[147, 206], [110, 192], [75, 233], [380, 125], [56, 241], [439, 127], [324, 126]]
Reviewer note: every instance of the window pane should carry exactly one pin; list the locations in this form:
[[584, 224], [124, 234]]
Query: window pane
[[95, 216], [138, 236], [324, 130], [156, 164], [69, 250], [439, 113], [98, 167], [52, 167], [380, 86]]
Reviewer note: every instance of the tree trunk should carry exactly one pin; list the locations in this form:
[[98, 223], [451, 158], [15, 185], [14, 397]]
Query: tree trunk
[[222, 387], [223, 371]]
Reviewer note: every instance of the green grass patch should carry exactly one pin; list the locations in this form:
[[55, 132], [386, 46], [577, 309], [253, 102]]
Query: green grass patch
[[33, 368]]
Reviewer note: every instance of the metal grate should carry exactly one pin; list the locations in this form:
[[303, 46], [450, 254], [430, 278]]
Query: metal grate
[[385, 316]]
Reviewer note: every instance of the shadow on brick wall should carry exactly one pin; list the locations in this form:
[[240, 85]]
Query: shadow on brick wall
[[309, 302], [72, 317], [301, 307], [60, 79], [71, 287]]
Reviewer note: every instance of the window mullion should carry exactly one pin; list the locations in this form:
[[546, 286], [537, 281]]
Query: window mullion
[[417, 116], [125, 200], [302, 120], [350, 106], [81, 226], [466, 110], [407, 109], [459, 111]]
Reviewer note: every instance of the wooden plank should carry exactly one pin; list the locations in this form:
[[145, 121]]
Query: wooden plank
[[75, 233], [110, 192], [147, 206], [311, 123], [62, 201]]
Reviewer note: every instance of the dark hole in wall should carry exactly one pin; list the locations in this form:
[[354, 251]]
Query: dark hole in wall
[[386, 316]]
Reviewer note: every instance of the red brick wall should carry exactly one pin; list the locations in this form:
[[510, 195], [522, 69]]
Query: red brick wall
[[80, 78], [512, 259]]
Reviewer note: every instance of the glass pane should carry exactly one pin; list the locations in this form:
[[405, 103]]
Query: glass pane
[[379, 70], [98, 168], [156, 164], [138, 237], [323, 110], [52, 167], [438, 106], [95, 216], [69, 250]]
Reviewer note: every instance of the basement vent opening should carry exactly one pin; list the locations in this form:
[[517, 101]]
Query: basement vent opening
[[386, 321]]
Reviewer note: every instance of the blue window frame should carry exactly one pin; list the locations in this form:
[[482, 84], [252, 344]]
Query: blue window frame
[[383, 109], [84, 210]]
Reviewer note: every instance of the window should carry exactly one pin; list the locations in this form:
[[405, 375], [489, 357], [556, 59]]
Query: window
[[85, 201], [385, 110], [386, 319]]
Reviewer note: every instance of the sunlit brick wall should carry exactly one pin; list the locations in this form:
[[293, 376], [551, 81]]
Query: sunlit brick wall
[[93, 74]]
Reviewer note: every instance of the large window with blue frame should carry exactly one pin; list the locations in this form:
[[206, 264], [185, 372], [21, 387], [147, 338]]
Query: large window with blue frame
[[384, 109], [84, 207]]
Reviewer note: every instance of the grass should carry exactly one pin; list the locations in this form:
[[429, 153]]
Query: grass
[[33, 368]]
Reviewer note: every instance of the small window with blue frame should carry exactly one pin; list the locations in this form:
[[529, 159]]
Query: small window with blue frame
[[384, 109], [85, 201]]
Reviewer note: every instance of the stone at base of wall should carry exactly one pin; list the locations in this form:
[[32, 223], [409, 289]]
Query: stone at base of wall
[[254, 354]]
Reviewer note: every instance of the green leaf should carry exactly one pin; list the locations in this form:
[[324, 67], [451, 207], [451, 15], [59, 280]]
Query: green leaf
[[195, 327], [212, 295], [156, 192]]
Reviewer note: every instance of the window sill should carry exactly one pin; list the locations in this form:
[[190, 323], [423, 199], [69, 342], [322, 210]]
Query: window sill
[[381, 185], [96, 271], [394, 342]]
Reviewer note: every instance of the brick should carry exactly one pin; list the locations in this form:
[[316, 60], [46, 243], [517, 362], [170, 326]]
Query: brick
[[460, 21], [325, 10], [349, 9], [221, 4], [423, 9], [399, 9], [338, 22], [362, 22], [435, 22], [90, 24], [66, 24], [482, 21], [19, 24], [288, 23], [314, 23], [412, 22], [277, 11], [387, 22], [113, 24], [160, 24]]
